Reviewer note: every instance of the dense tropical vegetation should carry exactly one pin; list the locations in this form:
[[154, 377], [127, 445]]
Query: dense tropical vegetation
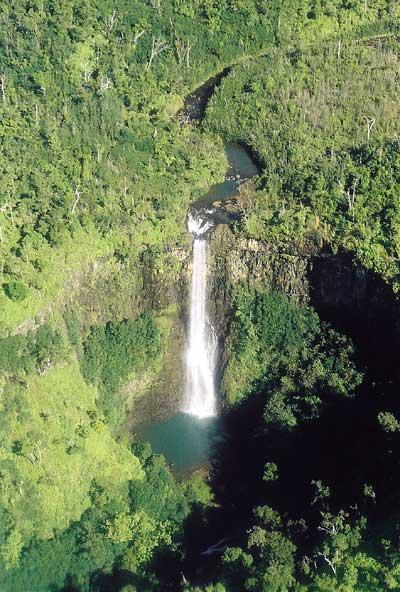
[[324, 122], [99, 163]]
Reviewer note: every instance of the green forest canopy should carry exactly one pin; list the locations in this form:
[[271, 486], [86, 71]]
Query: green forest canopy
[[325, 124], [96, 164]]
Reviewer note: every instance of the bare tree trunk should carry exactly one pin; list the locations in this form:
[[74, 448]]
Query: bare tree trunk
[[5, 207], [138, 36], [3, 86], [370, 121], [77, 198], [158, 46], [87, 72], [112, 21], [183, 52], [105, 83], [350, 195], [329, 562]]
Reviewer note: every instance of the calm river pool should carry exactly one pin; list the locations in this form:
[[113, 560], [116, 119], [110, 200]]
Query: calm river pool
[[186, 441]]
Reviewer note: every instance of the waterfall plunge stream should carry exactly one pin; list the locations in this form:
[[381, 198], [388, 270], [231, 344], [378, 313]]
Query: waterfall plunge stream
[[188, 437], [200, 399]]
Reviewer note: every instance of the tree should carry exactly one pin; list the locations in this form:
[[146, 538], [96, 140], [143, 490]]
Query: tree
[[388, 422], [15, 290], [157, 47]]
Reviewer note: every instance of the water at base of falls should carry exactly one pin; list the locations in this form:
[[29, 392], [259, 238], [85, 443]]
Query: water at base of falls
[[200, 399], [185, 440]]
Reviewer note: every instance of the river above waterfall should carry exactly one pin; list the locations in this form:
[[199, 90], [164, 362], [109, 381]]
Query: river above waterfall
[[186, 440], [219, 201]]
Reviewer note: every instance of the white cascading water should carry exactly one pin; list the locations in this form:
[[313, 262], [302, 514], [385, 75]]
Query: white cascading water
[[201, 348]]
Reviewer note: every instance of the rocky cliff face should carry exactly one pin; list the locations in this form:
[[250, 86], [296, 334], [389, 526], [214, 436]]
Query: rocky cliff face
[[236, 259], [110, 289], [356, 301], [353, 299]]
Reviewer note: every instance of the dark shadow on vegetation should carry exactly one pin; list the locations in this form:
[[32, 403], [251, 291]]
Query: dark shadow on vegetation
[[345, 448], [357, 302], [69, 587], [167, 567], [165, 574], [195, 104], [102, 582]]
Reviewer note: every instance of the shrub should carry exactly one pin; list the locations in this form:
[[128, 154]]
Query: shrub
[[15, 290]]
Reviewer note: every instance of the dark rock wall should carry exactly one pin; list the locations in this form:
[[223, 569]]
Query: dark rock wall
[[357, 302], [353, 299]]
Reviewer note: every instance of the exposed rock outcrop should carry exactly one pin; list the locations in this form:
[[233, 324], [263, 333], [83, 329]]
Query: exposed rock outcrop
[[353, 299]]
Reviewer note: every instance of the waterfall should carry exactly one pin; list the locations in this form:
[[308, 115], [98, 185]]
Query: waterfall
[[201, 348]]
